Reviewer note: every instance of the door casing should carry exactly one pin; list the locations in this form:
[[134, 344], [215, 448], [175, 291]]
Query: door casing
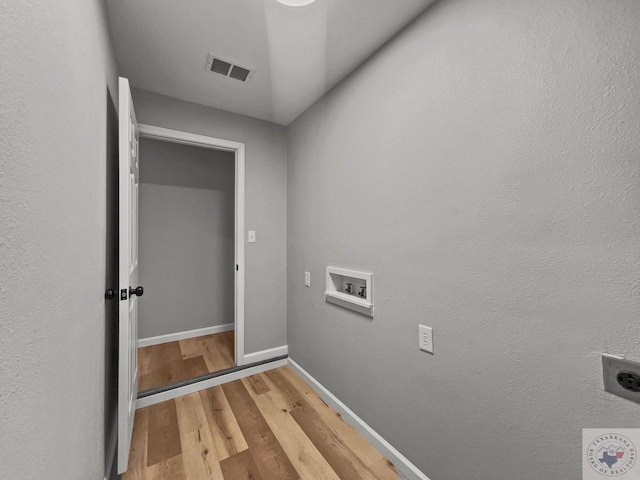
[[238, 148]]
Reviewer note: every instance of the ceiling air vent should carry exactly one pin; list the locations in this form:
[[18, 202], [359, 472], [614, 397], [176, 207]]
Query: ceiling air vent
[[228, 69]]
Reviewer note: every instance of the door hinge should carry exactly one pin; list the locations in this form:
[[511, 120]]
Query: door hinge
[[123, 294], [237, 268]]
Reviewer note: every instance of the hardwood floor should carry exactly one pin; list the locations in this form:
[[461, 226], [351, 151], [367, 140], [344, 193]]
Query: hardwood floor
[[171, 362], [270, 426]]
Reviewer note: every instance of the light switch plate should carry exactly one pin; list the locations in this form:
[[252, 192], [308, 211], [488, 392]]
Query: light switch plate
[[307, 279], [252, 236], [621, 377]]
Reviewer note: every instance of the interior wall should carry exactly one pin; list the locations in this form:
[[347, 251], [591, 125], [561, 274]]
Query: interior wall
[[483, 165], [265, 204], [186, 237], [57, 67]]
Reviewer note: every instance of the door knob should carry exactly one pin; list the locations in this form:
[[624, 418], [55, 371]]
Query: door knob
[[139, 291], [110, 294]]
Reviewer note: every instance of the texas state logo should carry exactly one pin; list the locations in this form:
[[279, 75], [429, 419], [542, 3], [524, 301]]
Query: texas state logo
[[610, 453]]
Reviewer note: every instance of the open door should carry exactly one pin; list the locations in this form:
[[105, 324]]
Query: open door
[[128, 272]]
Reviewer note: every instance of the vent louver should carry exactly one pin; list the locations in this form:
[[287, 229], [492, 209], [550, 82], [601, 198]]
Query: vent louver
[[228, 69], [239, 73], [221, 67]]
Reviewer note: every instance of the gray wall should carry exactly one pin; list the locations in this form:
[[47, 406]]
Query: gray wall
[[57, 64], [484, 166], [265, 204], [186, 237]]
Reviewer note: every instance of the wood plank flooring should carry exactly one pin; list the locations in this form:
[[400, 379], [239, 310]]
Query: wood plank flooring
[[270, 426], [171, 362]]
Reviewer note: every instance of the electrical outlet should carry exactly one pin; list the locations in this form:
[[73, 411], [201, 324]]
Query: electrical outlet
[[425, 338], [621, 377], [307, 279]]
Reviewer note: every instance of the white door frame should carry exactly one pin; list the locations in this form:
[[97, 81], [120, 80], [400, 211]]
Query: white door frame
[[185, 138]]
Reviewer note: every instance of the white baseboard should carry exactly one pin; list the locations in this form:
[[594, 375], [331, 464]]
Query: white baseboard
[[111, 455], [172, 337], [212, 382], [404, 467], [265, 354]]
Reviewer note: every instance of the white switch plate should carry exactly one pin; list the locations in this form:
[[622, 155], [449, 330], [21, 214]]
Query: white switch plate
[[425, 338], [252, 236], [307, 279]]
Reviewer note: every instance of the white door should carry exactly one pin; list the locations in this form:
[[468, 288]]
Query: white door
[[128, 272]]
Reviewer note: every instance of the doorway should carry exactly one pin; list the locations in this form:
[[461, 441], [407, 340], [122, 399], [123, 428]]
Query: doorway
[[191, 251]]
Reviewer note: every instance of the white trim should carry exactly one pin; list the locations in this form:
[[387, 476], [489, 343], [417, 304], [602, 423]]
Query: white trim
[[212, 382], [172, 337], [348, 298], [239, 303], [111, 455], [347, 301], [265, 354], [185, 138], [405, 468]]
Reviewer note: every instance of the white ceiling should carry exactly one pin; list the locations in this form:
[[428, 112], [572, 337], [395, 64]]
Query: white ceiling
[[296, 55]]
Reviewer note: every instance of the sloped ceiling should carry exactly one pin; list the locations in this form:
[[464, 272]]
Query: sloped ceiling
[[295, 54]]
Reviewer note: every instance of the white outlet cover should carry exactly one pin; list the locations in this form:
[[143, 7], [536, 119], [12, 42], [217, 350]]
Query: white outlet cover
[[307, 279], [612, 366], [425, 338]]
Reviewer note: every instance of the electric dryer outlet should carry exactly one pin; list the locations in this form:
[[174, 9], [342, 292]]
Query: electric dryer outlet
[[621, 377]]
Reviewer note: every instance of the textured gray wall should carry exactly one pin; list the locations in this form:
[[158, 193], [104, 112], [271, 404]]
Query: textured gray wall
[[57, 64], [265, 204], [186, 237], [484, 165]]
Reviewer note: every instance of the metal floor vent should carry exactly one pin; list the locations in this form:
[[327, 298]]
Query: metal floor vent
[[228, 69]]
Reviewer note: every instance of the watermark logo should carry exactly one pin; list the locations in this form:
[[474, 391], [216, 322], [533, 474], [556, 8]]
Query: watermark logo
[[610, 453]]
